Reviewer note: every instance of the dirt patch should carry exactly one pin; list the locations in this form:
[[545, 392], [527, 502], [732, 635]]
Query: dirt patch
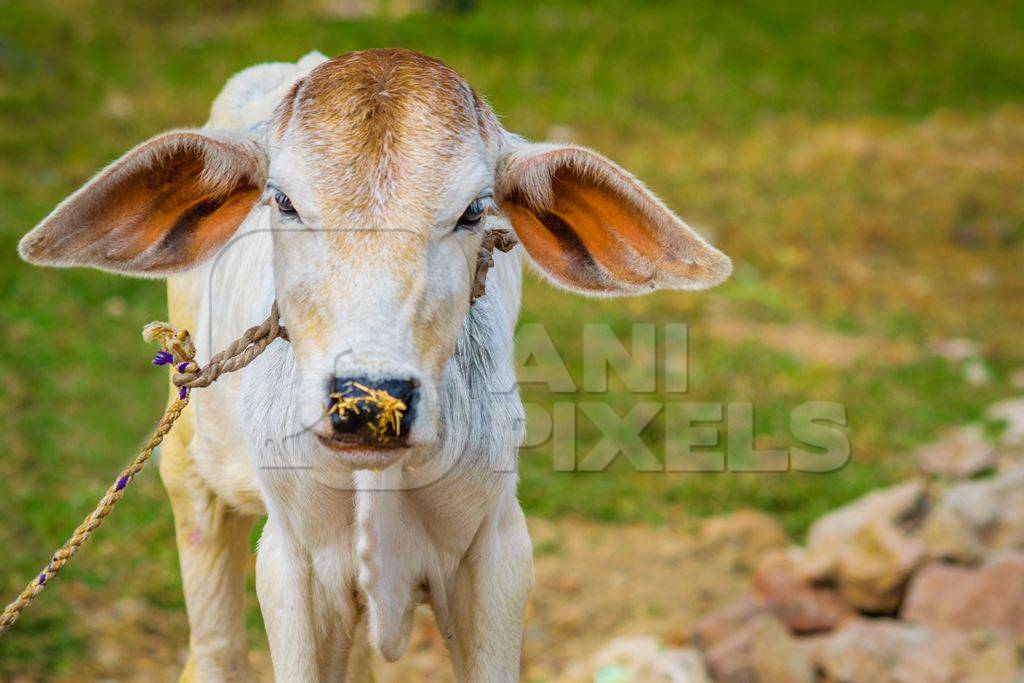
[[594, 582], [812, 344]]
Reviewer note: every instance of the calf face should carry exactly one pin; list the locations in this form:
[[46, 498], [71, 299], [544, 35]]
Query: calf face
[[378, 173]]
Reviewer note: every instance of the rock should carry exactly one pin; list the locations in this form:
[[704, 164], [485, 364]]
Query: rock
[[990, 597], [1009, 458], [862, 548], [642, 659], [831, 534], [762, 651], [976, 372], [942, 658], [874, 567], [621, 650], [718, 625], [802, 606], [613, 673], [777, 658], [1011, 413], [994, 663], [742, 536], [973, 518], [948, 535], [955, 350], [617, 661], [685, 665], [959, 454], [887, 651], [813, 646]]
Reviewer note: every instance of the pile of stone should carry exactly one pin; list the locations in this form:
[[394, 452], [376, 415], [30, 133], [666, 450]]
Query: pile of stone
[[919, 583]]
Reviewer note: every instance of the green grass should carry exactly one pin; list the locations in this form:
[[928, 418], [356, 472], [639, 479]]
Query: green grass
[[834, 151]]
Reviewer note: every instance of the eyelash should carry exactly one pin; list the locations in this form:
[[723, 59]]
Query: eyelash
[[474, 213], [284, 204], [469, 220]]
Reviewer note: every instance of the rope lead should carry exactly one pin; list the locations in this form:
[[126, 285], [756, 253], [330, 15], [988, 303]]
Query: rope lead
[[176, 348]]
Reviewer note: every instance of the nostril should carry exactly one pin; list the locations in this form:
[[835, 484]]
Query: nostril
[[383, 409], [346, 421]]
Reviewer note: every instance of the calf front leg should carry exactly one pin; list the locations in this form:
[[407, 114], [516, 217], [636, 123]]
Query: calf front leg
[[213, 552], [489, 601], [284, 588], [311, 627]]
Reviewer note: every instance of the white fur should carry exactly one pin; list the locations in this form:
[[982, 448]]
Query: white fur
[[443, 525]]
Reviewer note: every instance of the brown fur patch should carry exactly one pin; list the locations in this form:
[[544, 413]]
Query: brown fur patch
[[376, 119], [381, 131]]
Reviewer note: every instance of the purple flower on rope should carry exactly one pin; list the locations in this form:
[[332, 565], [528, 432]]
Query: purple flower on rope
[[121, 483], [182, 367], [162, 358], [183, 393], [42, 579]]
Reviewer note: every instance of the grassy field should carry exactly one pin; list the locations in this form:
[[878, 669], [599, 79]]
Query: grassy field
[[862, 166]]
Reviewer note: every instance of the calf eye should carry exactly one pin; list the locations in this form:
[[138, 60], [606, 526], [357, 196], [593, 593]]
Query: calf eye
[[473, 214], [284, 205]]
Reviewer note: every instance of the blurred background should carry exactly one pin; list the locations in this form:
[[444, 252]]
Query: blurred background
[[861, 164]]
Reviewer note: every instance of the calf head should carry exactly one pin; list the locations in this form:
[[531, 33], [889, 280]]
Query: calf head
[[379, 172]]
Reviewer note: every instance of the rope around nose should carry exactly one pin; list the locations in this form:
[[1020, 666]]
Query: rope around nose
[[177, 348]]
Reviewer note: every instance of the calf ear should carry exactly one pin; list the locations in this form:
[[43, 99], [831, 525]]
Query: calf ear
[[592, 227], [163, 207]]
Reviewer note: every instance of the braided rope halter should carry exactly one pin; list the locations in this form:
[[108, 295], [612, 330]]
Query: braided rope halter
[[178, 351]]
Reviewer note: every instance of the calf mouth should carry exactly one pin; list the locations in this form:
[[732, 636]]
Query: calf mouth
[[344, 443], [355, 453]]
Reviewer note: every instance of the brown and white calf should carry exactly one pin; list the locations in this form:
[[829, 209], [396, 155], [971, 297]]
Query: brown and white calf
[[355, 192]]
